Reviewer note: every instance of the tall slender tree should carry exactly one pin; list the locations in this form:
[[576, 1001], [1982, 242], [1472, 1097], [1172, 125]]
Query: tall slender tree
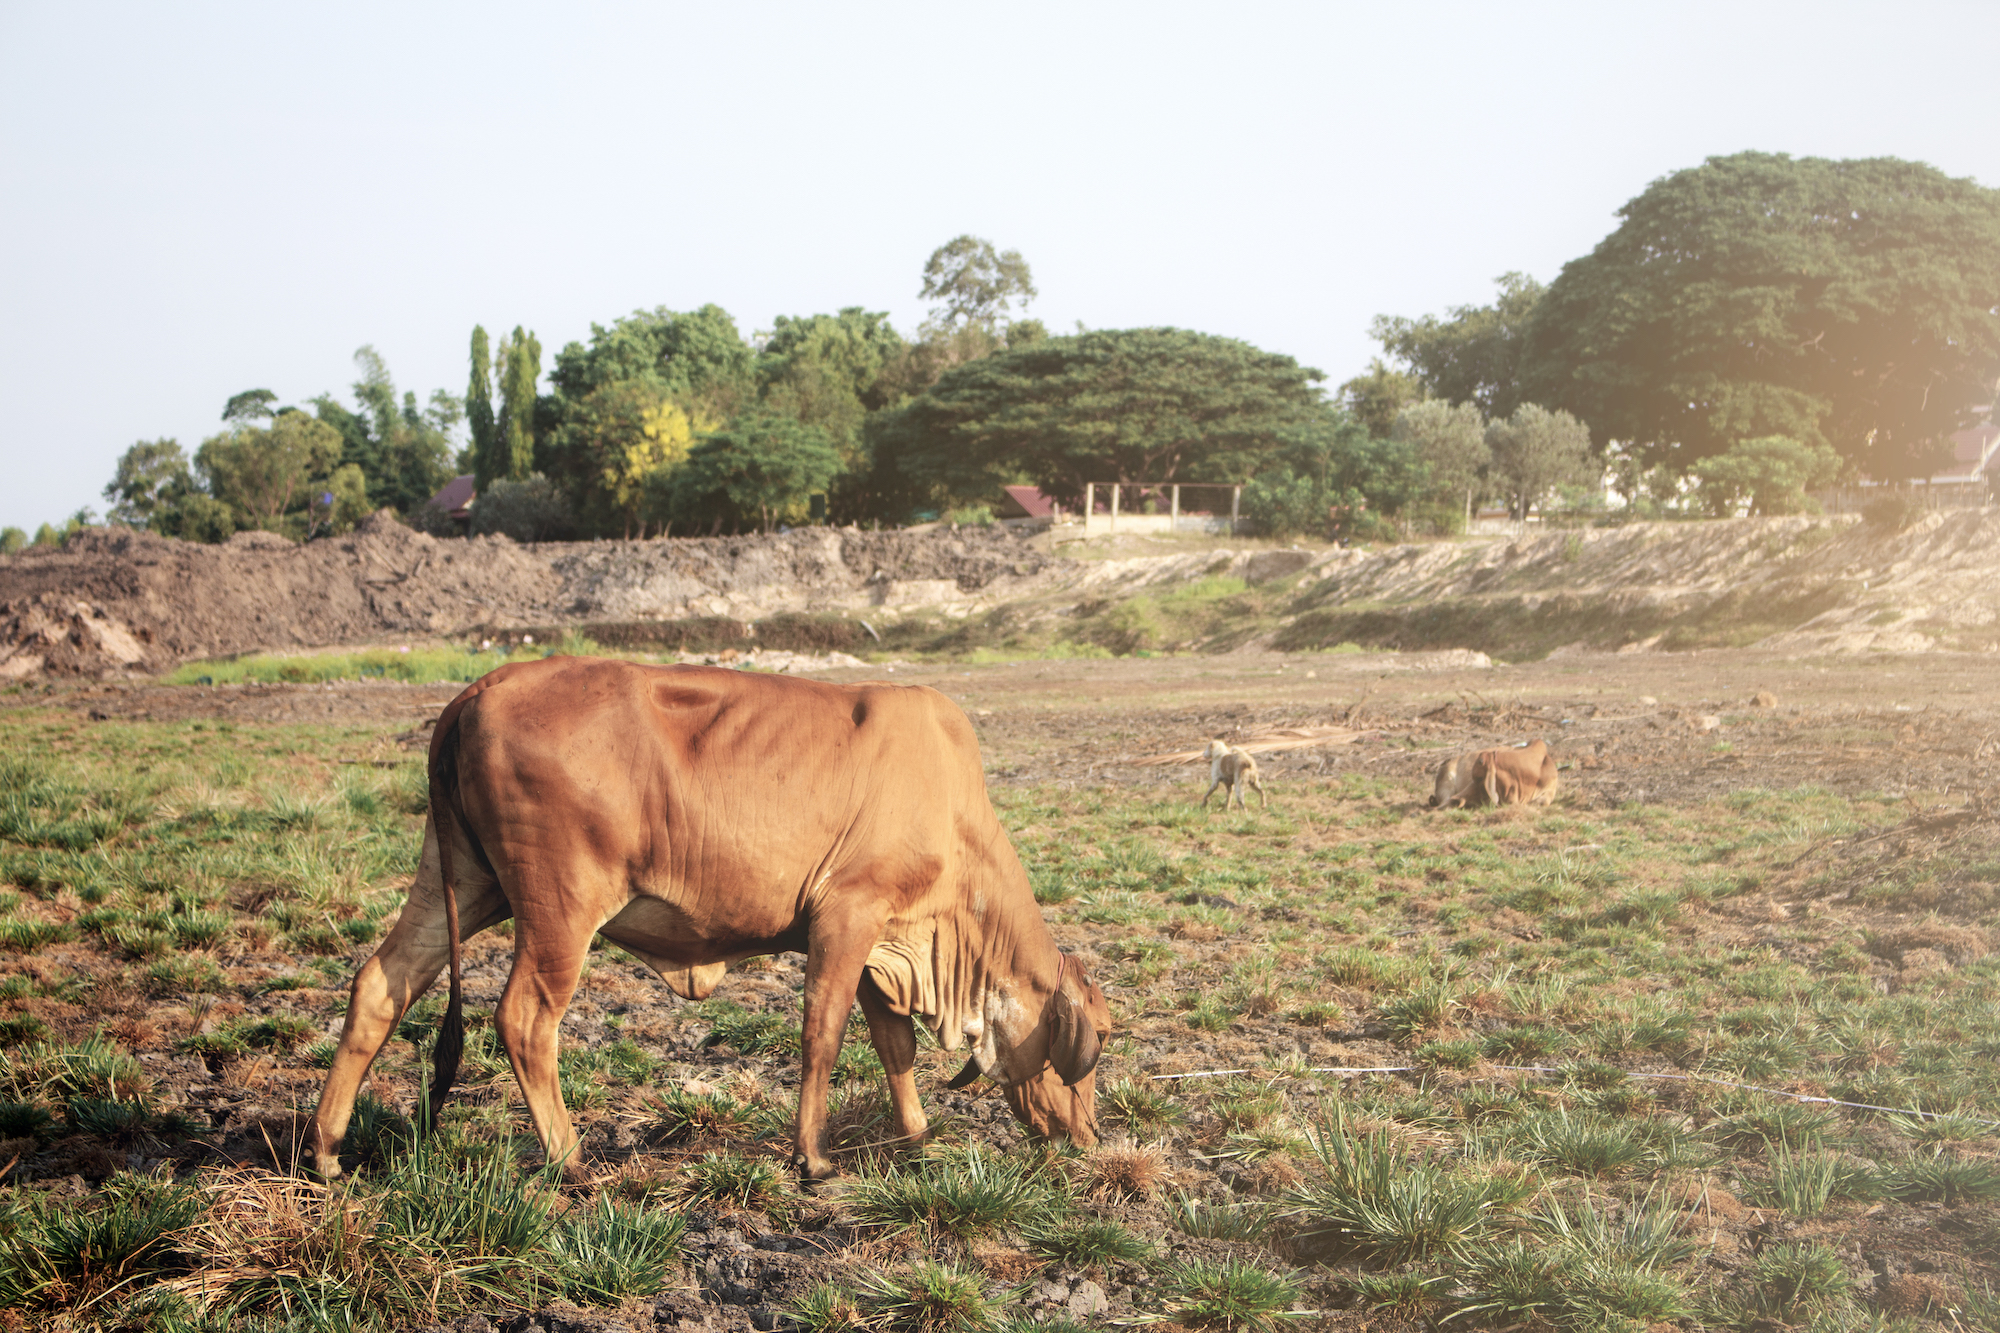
[[520, 363], [479, 413]]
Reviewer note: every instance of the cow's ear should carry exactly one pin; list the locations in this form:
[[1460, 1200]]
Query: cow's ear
[[1073, 1044]]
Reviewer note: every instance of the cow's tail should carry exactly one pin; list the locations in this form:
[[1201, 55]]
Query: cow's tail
[[444, 823]]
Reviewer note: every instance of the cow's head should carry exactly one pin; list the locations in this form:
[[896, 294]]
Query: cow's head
[[1448, 786], [1045, 1062]]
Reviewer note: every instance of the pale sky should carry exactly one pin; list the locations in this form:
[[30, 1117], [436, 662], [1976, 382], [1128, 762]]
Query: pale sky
[[197, 199]]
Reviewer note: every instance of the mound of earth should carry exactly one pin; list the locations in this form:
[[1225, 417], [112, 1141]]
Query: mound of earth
[[115, 601]]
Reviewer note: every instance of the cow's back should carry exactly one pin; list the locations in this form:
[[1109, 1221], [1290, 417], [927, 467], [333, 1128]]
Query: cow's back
[[731, 797]]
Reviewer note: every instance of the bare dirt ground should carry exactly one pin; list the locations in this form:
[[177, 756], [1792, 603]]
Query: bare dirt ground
[[1626, 727]]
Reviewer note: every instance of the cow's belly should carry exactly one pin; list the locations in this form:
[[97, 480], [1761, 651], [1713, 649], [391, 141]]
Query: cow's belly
[[663, 931]]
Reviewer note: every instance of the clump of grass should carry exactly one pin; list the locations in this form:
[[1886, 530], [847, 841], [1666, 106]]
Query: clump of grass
[[1087, 1242], [680, 1115], [1421, 1012], [749, 1184], [1796, 1280], [958, 1194], [1941, 1177], [926, 1297], [1787, 1124], [1140, 1106], [1372, 1199], [25, 1120], [1124, 1171], [613, 1250], [66, 1256], [93, 1067], [751, 1033], [1218, 1221], [1600, 1147], [1228, 1295], [1581, 1269]]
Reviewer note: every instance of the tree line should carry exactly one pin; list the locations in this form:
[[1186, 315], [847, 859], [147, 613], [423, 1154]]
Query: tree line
[[1752, 328]]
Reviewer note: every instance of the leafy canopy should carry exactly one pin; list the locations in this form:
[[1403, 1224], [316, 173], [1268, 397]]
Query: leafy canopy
[[1770, 474], [975, 284], [263, 473], [151, 475], [765, 466], [1472, 354], [1854, 304], [1536, 450], [1114, 405], [1450, 439]]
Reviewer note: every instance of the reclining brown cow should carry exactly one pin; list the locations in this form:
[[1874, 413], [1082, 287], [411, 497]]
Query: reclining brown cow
[[695, 816], [1525, 776]]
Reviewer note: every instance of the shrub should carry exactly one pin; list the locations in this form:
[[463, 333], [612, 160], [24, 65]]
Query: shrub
[[532, 510]]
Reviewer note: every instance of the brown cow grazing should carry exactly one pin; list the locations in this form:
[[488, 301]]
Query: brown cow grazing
[[1524, 776], [1235, 769], [695, 816]]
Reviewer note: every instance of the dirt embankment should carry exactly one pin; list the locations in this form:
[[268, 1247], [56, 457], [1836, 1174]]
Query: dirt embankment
[[117, 601], [1802, 584], [122, 600]]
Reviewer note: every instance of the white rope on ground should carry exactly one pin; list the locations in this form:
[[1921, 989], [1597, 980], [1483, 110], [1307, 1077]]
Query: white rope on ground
[[1548, 1069]]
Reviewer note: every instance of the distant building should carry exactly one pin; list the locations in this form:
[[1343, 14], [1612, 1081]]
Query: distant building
[[1027, 502], [1975, 456], [456, 499]]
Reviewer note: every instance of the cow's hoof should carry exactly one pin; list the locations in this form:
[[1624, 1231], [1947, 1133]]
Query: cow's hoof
[[811, 1172], [326, 1168]]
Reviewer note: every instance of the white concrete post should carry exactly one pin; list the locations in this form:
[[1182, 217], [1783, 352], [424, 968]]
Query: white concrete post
[[1174, 523]]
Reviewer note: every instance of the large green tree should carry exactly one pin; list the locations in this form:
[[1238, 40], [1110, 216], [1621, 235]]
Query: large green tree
[[973, 283], [1128, 405], [151, 476], [403, 450], [519, 360], [1376, 397], [1769, 475], [266, 473], [763, 469], [831, 371], [1472, 353], [1450, 439], [630, 401], [1535, 451], [1849, 303], [480, 421]]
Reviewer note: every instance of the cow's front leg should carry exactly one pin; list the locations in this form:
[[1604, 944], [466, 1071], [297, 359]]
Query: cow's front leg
[[837, 948], [895, 1038]]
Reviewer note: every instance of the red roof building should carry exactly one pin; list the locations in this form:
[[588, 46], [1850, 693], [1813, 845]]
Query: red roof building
[[1027, 502], [456, 497]]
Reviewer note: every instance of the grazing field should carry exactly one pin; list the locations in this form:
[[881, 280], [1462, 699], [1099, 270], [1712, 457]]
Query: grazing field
[[1376, 1066]]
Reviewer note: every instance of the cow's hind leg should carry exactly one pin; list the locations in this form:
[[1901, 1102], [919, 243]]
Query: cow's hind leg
[[408, 960], [895, 1038], [550, 944]]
